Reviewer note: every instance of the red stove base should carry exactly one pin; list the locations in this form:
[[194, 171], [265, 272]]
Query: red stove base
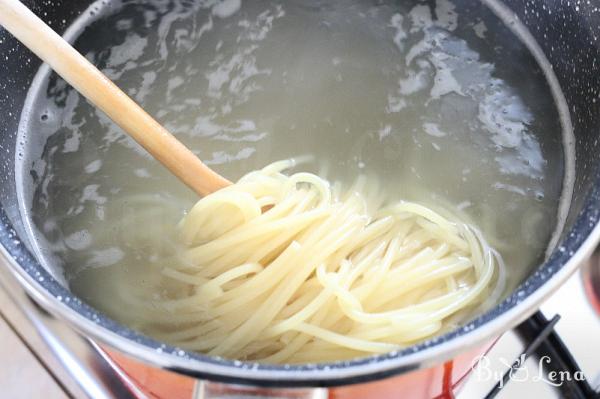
[[591, 281], [441, 382]]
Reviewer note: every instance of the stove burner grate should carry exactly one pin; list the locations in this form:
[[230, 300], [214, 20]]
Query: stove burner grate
[[542, 340]]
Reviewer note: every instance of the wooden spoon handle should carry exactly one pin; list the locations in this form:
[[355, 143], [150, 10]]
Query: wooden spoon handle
[[98, 89]]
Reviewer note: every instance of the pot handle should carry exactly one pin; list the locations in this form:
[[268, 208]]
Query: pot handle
[[215, 390]]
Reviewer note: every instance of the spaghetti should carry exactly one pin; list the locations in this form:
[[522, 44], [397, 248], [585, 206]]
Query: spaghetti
[[281, 268]]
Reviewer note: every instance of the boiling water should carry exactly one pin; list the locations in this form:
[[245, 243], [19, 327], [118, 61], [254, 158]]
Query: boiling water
[[438, 100]]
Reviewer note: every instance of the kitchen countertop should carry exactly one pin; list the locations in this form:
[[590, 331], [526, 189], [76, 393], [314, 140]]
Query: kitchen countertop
[[27, 368]]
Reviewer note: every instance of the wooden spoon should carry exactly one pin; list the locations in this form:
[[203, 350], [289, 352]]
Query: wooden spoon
[[102, 92]]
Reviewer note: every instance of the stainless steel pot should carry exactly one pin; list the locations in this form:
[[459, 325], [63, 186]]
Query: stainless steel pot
[[566, 34]]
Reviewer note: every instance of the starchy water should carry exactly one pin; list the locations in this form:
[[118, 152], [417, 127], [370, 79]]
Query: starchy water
[[438, 100]]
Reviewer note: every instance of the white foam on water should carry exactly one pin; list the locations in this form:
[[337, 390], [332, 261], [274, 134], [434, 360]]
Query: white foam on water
[[226, 8], [446, 14], [93, 166], [480, 29], [434, 130], [400, 35]]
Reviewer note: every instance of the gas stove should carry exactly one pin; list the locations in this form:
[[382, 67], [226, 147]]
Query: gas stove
[[553, 354]]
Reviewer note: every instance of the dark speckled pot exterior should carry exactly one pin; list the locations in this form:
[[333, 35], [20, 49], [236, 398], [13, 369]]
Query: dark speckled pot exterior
[[566, 31]]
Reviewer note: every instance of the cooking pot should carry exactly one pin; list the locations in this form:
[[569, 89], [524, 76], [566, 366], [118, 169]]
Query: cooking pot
[[562, 33]]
